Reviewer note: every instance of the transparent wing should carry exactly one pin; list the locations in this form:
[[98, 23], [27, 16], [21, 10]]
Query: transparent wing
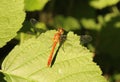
[[85, 39], [34, 29], [33, 22]]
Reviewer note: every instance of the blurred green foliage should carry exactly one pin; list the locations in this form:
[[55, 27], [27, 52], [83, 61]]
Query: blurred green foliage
[[100, 4], [32, 5], [69, 23]]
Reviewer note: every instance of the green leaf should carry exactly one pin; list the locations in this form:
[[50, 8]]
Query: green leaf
[[99, 4], [28, 62], [90, 24], [32, 5], [11, 18], [69, 23]]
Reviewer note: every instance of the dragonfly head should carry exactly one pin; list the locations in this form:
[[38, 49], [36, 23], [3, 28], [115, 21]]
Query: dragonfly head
[[61, 30]]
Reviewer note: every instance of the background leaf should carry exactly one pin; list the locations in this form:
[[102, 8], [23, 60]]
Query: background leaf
[[68, 23], [28, 62], [103, 3], [11, 18], [32, 5]]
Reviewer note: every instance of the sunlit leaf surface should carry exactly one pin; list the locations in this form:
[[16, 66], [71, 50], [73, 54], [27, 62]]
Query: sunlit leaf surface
[[28, 62], [11, 18]]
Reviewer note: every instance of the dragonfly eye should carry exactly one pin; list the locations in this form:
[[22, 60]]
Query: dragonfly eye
[[61, 30]]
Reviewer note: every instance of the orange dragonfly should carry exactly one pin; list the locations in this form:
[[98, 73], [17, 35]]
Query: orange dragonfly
[[56, 39]]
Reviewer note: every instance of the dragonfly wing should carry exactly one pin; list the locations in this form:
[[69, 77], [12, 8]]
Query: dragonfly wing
[[85, 39], [33, 22]]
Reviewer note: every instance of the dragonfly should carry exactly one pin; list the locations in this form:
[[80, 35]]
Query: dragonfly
[[58, 37]]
